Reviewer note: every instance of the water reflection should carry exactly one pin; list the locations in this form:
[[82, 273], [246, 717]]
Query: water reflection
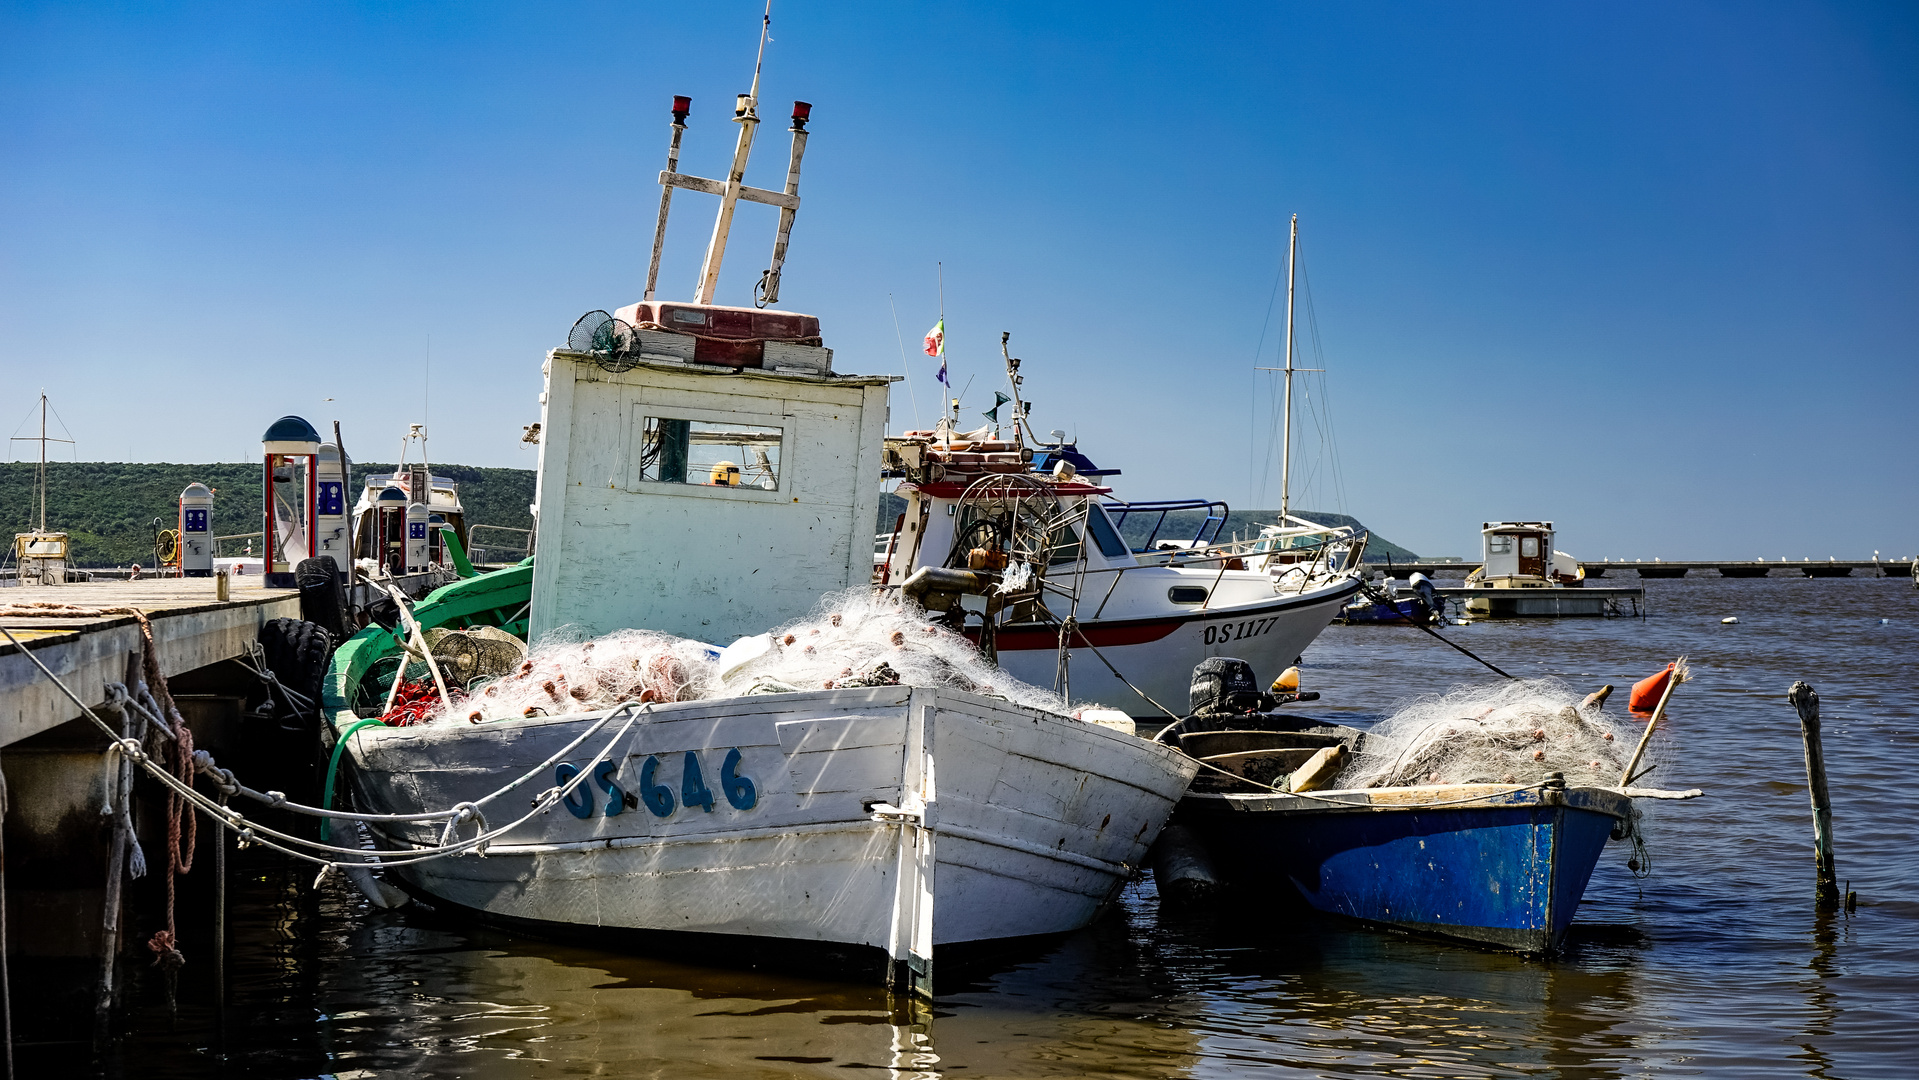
[[1718, 964]]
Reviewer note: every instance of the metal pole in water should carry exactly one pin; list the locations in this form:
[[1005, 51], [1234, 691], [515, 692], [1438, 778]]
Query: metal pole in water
[[1806, 701]]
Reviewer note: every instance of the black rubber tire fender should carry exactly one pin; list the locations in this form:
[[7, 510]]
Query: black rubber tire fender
[[322, 595], [297, 653]]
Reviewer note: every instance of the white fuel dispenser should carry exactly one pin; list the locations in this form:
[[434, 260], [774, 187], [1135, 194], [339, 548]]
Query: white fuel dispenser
[[390, 528], [416, 538], [196, 531], [330, 523]]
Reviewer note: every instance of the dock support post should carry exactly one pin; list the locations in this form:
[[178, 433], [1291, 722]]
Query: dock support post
[[118, 783], [6, 977], [1806, 701], [220, 936]]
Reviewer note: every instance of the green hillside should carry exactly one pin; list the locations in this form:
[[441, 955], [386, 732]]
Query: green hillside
[[108, 507]]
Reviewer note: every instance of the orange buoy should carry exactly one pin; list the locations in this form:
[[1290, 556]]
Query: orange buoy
[[1647, 692]]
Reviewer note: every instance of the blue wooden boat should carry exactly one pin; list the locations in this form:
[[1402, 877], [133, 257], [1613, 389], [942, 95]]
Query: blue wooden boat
[[1492, 864], [1404, 611]]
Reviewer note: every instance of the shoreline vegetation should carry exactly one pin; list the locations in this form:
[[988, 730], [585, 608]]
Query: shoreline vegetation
[[108, 507]]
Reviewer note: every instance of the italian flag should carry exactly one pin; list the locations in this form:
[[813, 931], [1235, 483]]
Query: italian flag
[[936, 338]]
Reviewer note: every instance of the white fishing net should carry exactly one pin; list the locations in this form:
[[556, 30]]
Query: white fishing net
[[1518, 732], [855, 638]]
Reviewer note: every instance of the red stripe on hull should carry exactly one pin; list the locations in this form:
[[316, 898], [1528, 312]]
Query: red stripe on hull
[[1099, 636]]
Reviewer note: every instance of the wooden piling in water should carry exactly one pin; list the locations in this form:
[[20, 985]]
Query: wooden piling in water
[[6, 977], [1806, 701], [118, 849]]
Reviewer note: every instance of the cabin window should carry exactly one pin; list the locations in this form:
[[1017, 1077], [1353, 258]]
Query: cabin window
[[1065, 545], [675, 451], [1186, 594], [1529, 547], [1499, 545], [1107, 537]]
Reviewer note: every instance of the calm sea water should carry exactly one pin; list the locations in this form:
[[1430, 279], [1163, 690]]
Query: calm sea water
[[1718, 964]]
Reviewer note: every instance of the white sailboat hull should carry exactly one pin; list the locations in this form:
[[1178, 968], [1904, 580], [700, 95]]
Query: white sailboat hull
[[1032, 824]]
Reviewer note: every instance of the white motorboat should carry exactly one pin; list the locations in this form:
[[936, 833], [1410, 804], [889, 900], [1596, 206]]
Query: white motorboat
[[1064, 601], [1046, 550]]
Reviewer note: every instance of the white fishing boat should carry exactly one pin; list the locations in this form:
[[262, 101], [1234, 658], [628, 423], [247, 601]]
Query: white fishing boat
[[1521, 575], [873, 824], [380, 524], [1035, 564], [704, 474]]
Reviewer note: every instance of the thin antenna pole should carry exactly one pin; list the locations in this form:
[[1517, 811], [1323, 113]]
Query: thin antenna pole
[[426, 393], [939, 268], [904, 364], [1286, 448]]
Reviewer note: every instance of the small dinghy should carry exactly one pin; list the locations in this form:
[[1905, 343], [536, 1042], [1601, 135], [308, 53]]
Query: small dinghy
[[1366, 824]]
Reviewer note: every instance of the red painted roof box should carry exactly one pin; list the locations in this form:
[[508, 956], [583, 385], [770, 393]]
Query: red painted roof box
[[732, 336]]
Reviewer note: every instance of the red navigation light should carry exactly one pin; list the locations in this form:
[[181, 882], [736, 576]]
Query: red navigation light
[[802, 110], [682, 106]]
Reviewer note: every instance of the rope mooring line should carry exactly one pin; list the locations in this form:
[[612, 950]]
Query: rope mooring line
[[252, 832]]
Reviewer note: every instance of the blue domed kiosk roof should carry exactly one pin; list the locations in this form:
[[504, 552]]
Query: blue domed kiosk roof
[[291, 435], [290, 429]]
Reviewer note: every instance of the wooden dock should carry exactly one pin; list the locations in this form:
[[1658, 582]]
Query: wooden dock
[[191, 630], [1661, 568]]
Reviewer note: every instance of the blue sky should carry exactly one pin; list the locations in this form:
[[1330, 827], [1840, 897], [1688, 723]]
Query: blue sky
[[1648, 270]]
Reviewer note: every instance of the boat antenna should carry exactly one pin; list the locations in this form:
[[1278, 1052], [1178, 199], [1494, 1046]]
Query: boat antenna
[[731, 190], [746, 113], [904, 366], [426, 393], [1015, 379]]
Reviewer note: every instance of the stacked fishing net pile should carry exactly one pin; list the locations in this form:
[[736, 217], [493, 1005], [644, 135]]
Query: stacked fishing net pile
[[1519, 732], [857, 638], [862, 638], [561, 676]]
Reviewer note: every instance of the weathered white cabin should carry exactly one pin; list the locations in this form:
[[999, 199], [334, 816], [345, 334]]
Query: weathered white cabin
[[1521, 552], [704, 501]]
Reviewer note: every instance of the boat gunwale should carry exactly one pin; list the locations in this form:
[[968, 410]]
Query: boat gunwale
[[1611, 802]]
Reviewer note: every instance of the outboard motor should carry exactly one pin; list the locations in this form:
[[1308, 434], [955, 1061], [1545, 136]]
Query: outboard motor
[[1224, 684], [1225, 696], [1422, 587]]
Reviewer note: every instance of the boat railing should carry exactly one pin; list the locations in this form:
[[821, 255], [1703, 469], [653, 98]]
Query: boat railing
[[235, 536], [498, 552], [1207, 532]]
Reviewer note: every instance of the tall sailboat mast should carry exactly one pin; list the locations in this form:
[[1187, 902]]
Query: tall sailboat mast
[[1286, 446], [42, 476]]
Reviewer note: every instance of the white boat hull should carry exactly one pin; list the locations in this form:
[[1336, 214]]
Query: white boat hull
[[1158, 654], [1016, 822]]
